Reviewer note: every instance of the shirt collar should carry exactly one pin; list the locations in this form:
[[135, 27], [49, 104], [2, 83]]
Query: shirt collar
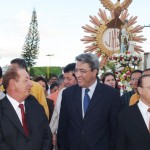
[[14, 103], [92, 87], [143, 106]]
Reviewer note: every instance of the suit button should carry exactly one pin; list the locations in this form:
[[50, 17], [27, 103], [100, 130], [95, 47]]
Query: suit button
[[83, 132]]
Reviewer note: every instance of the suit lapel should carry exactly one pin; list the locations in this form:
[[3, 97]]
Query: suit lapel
[[97, 96], [139, 122], [29, 114], [10, 113], [77, 96]]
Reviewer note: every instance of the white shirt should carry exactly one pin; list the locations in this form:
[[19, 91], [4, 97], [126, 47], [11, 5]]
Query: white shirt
[[146, 115], [48, 91], [56, 112], [15, 105], [90, 93]]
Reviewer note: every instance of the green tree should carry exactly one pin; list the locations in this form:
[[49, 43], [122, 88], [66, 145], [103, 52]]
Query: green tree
[[30, 48]]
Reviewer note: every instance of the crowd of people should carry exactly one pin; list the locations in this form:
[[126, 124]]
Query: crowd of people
[[77, 110]]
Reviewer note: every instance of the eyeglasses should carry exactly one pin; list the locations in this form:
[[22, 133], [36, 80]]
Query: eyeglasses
[[145, 87], [135, 79], [82, 71]]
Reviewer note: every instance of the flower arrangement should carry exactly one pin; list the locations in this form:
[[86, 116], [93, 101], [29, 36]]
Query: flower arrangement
[[126, 59], [123, 77], [122, 65]]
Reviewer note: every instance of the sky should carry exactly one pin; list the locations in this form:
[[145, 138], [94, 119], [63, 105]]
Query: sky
[[60, 27]]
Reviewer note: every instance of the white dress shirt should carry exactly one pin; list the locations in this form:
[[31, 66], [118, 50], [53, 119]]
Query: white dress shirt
[[146, 115], [56, 112], [15, 105], [90, 93]]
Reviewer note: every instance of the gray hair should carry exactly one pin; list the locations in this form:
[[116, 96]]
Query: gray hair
[[90, 59]]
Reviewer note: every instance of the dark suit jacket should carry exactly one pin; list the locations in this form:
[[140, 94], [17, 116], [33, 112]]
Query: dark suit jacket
[[50, 104], [96, 131], [132, 132], [12, 136], [125, 98]]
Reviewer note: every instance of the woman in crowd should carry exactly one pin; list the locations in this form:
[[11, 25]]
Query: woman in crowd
[[110, 79]]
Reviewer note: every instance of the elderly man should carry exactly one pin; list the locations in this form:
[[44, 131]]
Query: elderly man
[[23, 122], [36, 90], [134, 122], [88, 110]]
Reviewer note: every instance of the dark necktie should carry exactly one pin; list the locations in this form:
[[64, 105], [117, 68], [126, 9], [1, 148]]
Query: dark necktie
[[24, 121], [149, 120], [86, 100]]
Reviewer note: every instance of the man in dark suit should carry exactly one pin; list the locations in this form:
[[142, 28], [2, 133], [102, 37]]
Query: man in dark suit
[[134, 122], [23, 122], [125, 98], [84, 126], [36, 90]]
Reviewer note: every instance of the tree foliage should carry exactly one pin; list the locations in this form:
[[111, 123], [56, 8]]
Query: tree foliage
[[38, 71], [30, 48]]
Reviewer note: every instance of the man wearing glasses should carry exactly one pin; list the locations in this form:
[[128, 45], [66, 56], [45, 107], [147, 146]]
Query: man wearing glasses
[[135, 97], [125, 98], [88, 110], [134, 122], [69, 80]]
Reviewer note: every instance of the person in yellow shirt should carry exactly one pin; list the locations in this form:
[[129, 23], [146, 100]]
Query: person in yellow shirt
[[125, 98], [36, 90], [38, 93], [135, 97], [43, 82]]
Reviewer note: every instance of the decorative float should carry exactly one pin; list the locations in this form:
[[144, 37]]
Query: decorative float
[[114, 38]]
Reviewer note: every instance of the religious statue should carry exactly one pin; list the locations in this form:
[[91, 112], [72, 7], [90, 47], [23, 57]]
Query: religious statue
[[124, 37]]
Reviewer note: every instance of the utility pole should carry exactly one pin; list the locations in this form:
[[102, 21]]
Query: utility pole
[[48, 67]]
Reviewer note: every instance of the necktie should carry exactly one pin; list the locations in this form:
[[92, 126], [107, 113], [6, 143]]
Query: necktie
[[24, 121], [149, 120], [86, 100]]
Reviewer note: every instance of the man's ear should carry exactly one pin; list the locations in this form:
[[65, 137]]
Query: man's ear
[[95, 72], [12, 84], [139, 90]]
